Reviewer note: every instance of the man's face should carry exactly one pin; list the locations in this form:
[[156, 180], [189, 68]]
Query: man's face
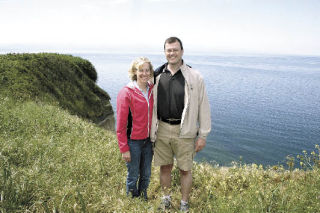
[[173, 53]]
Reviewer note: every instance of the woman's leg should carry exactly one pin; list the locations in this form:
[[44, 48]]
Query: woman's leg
[[145, 167], [133, 168]]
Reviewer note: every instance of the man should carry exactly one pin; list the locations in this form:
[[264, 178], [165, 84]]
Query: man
[[181, 120]]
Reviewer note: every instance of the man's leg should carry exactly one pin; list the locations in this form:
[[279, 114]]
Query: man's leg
[[184, 150], [165, 178], [165, 182], [186, 184], [163, 157]]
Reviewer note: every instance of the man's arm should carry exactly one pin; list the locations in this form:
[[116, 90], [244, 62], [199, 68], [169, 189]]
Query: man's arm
[[203, 113]]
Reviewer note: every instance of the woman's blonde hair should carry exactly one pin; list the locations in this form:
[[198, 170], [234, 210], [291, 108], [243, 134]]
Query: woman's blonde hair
[[136, 65]]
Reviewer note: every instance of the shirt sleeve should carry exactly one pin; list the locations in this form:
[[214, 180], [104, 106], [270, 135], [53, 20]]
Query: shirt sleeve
[[204, 111], [123, 103]]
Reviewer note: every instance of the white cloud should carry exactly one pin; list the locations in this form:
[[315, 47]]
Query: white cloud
[[202, 24]]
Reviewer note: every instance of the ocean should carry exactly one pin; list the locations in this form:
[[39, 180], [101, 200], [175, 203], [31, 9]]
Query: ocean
[[263, 108]]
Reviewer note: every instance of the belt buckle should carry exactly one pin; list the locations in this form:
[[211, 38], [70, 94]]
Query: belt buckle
[[173, 119]]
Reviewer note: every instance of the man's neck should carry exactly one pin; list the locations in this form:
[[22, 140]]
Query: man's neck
[[173, 68]]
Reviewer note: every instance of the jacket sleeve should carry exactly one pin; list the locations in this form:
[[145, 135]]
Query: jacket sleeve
[[158, 72], [123, 101], [204, 111]]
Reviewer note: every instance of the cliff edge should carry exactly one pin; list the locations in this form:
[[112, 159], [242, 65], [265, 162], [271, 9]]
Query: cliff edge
[[64, 80]]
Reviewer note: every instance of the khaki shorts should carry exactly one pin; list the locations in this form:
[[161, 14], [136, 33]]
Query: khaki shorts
[[168, 145]]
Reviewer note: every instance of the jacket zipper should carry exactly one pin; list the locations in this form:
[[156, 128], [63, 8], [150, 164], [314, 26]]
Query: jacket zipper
[[148, 113], [139, 93]]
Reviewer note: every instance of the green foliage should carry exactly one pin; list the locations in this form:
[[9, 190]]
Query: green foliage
[[310, 161], [66, 80], [51, 161], [54, 161]]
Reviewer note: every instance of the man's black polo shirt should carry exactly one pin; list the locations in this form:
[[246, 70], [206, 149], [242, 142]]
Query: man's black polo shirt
[[170, 95]]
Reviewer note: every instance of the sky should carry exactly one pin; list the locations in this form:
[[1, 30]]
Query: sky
[[242, 26]]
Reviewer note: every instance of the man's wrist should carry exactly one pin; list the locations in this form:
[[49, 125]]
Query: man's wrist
[[203, 138]]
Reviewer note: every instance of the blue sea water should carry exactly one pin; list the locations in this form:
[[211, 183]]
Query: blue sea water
[[263, 108]]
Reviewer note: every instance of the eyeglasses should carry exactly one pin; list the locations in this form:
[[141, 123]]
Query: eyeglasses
[[172, 50]]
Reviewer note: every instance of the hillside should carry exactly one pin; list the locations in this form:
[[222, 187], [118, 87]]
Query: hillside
[[51, 161], [54, 160], [67, 81]]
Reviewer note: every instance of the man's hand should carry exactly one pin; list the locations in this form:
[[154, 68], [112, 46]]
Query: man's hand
[[200, 144], [126, 156]]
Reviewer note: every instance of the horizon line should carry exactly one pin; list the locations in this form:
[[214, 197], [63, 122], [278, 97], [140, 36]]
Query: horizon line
[[73, 49]]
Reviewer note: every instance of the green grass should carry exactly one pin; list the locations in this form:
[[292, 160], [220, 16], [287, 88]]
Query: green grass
[[52, 161], [66, 80]]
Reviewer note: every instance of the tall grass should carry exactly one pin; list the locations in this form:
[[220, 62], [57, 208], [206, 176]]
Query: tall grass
[[51, 161]]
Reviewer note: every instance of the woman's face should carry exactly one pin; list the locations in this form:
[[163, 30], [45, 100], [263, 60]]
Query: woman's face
[[143, 73]]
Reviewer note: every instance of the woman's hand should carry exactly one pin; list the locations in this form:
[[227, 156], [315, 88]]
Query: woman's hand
[[126, 156]]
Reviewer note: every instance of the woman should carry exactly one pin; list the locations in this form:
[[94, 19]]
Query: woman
[[134, 114]]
